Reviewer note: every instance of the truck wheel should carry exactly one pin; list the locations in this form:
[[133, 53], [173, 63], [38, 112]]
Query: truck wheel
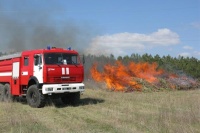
[[71, 98], [6, 93], [1, 92], [34, 97]]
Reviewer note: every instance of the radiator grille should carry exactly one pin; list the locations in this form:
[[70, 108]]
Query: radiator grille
[[61, 79]]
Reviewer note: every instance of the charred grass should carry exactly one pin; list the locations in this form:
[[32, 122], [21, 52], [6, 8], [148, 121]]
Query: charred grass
[[104, 111]]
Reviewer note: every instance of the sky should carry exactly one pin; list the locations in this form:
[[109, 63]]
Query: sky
[[103, 27]]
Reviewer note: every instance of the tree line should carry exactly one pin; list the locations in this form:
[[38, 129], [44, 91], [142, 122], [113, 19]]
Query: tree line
[[189, 66]]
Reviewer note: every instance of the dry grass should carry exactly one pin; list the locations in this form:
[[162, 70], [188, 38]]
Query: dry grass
[[112, 112]]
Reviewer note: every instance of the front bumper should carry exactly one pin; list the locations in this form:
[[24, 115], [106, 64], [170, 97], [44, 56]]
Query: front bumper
[[62, 88]]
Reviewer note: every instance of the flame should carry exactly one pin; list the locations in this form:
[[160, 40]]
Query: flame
[[122, 78], [145, 71]]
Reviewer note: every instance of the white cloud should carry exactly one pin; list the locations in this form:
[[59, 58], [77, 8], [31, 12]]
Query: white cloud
[[164, 37], [196, 25], [197, 53], [188, 47], [185, 54], [120, 43]]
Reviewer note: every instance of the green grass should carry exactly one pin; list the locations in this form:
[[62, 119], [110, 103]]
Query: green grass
[[113, 112]]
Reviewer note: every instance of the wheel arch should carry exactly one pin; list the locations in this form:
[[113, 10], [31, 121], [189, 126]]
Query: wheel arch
[[33, 80]]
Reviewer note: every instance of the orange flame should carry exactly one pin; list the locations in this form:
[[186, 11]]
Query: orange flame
[[145, 71], [120, 78]]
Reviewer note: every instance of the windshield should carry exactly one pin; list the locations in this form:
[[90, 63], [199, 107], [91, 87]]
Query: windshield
[[61, 58]]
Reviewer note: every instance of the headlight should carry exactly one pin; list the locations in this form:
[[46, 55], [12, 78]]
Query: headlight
[[81, 87], [49, 89]]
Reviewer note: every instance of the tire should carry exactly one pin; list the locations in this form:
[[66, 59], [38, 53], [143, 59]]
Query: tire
[[71, 98], [1, 92], [6, 94], [35, 98]]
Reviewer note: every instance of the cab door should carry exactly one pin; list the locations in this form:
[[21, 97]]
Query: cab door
[[38, 67]]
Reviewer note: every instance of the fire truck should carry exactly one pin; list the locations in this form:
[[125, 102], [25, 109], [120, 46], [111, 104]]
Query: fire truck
[[42, 73]]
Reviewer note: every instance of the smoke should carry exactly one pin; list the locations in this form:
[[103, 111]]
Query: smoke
[[29, 28]]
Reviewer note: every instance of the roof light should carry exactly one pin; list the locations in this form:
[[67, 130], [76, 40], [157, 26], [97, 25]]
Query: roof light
[[48, 47], [69, 48]]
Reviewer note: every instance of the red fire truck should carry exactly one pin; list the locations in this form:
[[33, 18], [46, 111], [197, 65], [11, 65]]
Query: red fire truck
[[38, 74]]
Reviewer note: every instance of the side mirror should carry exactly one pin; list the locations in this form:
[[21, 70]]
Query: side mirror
[[83, 59], [36, 56]]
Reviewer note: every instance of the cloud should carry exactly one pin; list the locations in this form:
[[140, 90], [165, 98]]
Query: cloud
[[196, 25], [197, 53], [188, 47], [120, 43], [185, 54]]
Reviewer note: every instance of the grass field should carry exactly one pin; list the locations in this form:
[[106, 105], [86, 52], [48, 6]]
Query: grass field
[[104, 111]]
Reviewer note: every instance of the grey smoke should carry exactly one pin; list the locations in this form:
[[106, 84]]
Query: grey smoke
[[32, 29]]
